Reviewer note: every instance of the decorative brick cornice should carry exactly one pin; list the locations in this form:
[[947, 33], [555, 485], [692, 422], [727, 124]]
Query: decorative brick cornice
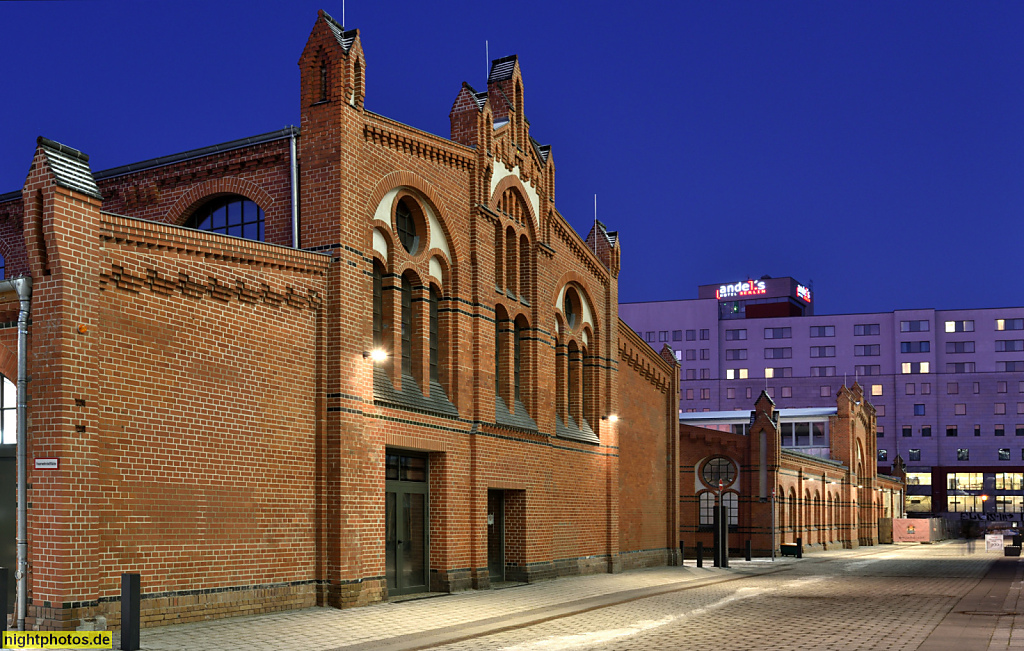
[[140, 233], [415, 144]]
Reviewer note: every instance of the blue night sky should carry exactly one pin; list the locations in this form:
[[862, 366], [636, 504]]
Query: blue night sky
[[874, 148]]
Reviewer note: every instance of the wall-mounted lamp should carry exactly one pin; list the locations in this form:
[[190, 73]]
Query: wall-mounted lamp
[[377, 354], [611, 418]]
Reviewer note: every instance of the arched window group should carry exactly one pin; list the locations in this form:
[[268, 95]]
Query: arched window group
[[575, 367], [512, 251], [410, 324]]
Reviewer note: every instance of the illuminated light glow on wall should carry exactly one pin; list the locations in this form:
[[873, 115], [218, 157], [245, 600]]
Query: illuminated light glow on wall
[[803, 293], [743, 288]]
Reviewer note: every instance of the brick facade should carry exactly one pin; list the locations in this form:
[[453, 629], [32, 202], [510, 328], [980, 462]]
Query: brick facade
[[221, 426], [825, 502]]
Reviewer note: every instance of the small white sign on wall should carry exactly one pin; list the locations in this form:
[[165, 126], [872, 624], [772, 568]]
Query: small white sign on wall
[[993, 542], [47, 464]]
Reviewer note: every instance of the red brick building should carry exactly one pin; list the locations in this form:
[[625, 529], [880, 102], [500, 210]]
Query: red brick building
[[329, 364], [825, 492]]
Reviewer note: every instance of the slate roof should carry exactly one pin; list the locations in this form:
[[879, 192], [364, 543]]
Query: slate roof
[[542, 150], [570, 430], [519, 419], [411, 397], [345, 39], [501, 69], [10, 196], [70, 167]]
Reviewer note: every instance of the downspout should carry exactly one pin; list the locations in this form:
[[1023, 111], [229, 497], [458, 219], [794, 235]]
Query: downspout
[[23, 287], [295, 191]]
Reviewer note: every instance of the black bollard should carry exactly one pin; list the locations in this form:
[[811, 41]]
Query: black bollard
[[723, 536], [682, 554], [748, 550], [700, 554], [5, 576], [799, 547], [131, 600]]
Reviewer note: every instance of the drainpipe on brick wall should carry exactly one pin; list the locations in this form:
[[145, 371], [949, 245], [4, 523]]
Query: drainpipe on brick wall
[[23, 287], [295, 191]]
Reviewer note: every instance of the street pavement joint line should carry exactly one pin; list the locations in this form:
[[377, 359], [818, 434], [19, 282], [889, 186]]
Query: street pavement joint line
[[437, 637], [599, 637]]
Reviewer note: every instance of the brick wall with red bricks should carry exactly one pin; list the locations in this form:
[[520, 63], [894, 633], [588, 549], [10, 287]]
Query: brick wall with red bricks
[[648, 424], [220, 425]]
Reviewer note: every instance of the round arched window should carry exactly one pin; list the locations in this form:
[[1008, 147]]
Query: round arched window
[[232, 215], [718, 469], [408, 234], [571, 308]]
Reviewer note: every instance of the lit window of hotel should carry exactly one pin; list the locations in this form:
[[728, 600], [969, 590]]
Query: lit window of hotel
[[1009, 324], [736, 374], [914, 326], [959, 326], [915, 367], [876, 389]]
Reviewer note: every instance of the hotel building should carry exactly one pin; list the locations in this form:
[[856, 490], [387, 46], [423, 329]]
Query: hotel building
[[948, 385]]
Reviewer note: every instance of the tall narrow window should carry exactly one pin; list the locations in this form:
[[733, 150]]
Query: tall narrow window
[[323, 81], [573, 370], [497, 356], [524, 267], [3, 268], [406, 326], [510, 263], [583, 384], [434, 377], [378, 306], [499, 257], [517, 359]]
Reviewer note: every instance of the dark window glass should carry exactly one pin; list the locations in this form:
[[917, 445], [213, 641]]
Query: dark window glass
[[951, 430], [907, 432], [862, 329], [915, 454], [926, 431], [919, 410], [406, 326], [517, 357], [433, 336], [378, 307], [883, 455], [1004, 454], [406, 228], [677, 335], [963, 454], [231, 215], [3, 268]]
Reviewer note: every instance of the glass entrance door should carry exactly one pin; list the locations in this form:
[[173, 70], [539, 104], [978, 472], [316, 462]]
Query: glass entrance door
[[496, 535], [407, 523]]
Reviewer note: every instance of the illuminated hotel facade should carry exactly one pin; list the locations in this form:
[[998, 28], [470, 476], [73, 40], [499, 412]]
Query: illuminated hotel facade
[[948, 385]]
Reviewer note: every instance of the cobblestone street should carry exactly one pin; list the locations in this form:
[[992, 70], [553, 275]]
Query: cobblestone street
[[928, 597]]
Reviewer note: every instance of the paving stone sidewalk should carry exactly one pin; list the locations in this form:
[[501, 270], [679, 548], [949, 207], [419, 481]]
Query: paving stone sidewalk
[[453, 617]]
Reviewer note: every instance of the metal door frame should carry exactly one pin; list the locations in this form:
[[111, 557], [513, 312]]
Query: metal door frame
[[399, 487]]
